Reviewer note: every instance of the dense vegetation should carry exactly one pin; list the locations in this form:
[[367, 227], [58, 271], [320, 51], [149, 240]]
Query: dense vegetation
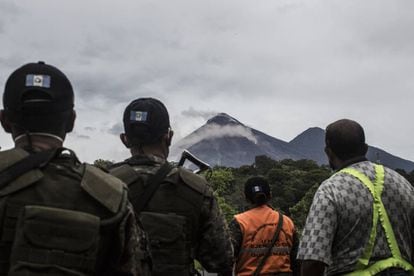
[[293, 184]]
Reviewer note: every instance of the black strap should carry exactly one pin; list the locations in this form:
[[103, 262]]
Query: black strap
[[152, 185], [30, 162], [270, 247]]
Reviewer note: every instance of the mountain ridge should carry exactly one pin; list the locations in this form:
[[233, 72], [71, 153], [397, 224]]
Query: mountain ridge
[[225, 141]]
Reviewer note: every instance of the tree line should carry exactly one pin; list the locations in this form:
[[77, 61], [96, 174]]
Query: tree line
[[293, 184]]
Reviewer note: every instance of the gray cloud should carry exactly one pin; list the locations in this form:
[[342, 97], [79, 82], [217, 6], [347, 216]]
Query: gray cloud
[[82, 136], [191, 112], [88, 128], [8, 12], [212, 131], [116, 129], [279, 66]]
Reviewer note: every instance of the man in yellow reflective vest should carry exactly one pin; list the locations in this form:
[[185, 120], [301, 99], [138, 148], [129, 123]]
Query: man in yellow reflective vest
[[361, 221], [264, 240]]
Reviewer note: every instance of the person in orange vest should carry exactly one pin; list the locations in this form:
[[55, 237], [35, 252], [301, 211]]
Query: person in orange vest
[[264, 240]]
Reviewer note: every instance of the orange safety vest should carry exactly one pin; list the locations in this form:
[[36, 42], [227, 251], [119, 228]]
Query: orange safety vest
[[258, 226]]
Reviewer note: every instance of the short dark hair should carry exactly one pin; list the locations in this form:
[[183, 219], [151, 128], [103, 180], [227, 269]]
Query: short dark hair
[[257, 190], [346, 139]]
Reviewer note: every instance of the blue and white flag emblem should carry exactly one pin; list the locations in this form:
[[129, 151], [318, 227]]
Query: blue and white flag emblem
[[256, 189], [38, 80], [138, 116]]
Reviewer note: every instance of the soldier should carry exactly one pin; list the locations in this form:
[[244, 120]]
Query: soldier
[[177, 207], [57, 215]]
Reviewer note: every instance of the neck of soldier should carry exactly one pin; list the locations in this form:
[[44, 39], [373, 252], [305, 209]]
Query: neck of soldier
[[38, 141], [154, 149]]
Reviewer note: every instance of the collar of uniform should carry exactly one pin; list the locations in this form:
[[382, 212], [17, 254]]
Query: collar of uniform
[[145, 159], [352, 161]]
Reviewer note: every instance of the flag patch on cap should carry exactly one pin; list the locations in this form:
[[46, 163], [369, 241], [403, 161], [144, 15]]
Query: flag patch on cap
[[257, 189], [138, 116], [38, 80]]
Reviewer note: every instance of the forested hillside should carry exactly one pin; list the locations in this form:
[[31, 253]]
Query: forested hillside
[[293, 184]]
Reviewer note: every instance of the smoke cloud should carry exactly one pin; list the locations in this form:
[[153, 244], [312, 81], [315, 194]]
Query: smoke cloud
[[192, 113], [214, 131]]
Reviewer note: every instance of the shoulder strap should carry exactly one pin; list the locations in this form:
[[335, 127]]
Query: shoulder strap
[[106, 189], [32, 161], [153, 183], [269, 248], [379, 215], [124, 172]]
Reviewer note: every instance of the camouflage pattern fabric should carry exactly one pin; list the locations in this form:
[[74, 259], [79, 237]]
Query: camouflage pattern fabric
[[206, 229], [214, 250], [121, 245], [236, 236], [340, 220], [135, 258]]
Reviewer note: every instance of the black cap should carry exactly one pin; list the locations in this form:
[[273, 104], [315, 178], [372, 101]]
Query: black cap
[[145, 121], [38, 88], [256, 185]]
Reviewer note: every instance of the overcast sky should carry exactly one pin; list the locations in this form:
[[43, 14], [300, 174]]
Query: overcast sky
[[280, 66]]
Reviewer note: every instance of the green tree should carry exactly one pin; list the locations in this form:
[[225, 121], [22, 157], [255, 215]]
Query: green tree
[[300, 211], [264, 163], [222, 182]]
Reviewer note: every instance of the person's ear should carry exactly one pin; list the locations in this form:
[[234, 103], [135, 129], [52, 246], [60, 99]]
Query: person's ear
[[71, 123], [169, 137], [334, 161], [328, 151], [124, 140], [365, 149], [5, 122]]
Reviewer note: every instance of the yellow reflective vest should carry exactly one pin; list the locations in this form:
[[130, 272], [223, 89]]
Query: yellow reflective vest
[[363, 268]]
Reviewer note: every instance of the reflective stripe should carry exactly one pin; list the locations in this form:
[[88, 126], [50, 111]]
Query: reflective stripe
[[379, 213], [261, 250], [258, 226]]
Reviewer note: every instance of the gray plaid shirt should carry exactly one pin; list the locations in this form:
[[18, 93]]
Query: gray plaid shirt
[[340, 220]]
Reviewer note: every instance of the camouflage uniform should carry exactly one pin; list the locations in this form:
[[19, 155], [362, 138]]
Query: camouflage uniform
[[67, 218], [186, 197]]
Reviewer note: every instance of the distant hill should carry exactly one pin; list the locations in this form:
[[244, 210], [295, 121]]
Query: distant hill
[[311, 144], [225, 141]]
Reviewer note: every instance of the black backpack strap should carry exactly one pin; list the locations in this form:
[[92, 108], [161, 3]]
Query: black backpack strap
[[269, 248], [152, 186], [32, 161]]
